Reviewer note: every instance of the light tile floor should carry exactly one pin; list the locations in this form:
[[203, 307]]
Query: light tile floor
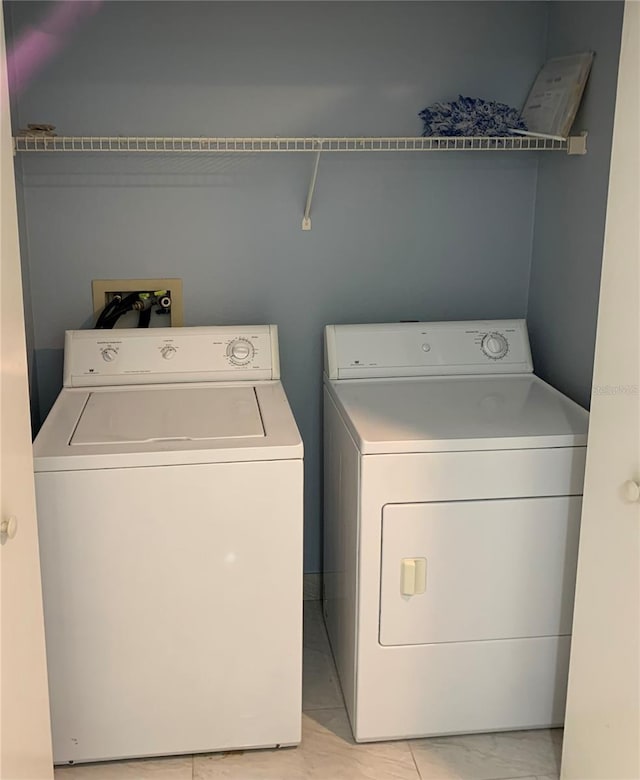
[[328, 751]]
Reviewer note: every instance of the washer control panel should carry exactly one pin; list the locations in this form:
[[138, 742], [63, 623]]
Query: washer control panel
[[167, 355], [427, 349]]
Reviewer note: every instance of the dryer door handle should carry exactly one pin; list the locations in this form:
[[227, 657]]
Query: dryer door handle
[[413, 576]]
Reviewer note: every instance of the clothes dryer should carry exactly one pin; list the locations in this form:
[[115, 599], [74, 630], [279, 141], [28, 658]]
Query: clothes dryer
[[453, 483]]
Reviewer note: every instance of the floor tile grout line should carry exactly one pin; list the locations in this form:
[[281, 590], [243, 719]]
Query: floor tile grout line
[[413, 757], [519, 777]]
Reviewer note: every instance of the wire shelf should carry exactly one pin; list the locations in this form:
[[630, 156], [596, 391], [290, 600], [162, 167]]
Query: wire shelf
[[37, 143], [318, 146]]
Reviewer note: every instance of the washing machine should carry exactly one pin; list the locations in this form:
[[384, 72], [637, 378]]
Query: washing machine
[[453, 480], [169, 493]]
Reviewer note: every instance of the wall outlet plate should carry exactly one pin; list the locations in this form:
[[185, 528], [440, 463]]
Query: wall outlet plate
[[104, 289]]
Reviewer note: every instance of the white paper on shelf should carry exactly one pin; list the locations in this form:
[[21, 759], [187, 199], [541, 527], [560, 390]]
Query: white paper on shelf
[[555, 96]]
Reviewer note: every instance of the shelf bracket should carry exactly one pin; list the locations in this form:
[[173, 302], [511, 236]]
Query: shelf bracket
[[577, 144], [306, 219]]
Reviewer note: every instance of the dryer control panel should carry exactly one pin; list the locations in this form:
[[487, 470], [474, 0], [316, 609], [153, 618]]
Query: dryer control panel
[[166, 355], [427, 349]]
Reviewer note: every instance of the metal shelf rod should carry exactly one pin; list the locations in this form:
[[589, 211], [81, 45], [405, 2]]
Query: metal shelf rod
[[306, 219]]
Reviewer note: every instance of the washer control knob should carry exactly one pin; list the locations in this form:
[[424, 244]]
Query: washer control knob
[[495, 346], [168, 352], [109, 354], [240, 351]]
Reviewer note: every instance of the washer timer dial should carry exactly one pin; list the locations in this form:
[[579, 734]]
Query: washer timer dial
[[240, 352], [495, 346]]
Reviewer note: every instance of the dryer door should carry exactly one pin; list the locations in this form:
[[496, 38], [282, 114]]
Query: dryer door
[[464, 571]]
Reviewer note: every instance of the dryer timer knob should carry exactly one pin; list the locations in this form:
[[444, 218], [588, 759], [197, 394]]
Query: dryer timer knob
[[168, 352], [109, 354], [495, 346]]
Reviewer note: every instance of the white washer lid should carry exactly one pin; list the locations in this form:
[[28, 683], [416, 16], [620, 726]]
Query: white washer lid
[[98, 428], [188, 414], [444, 414]]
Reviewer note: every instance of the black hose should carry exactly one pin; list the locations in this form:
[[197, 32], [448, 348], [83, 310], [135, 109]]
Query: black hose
[[110, 318], [144, 318], [108, 309]]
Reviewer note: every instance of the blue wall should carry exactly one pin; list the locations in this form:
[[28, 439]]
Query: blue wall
[[571, 205], [394, 236]]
